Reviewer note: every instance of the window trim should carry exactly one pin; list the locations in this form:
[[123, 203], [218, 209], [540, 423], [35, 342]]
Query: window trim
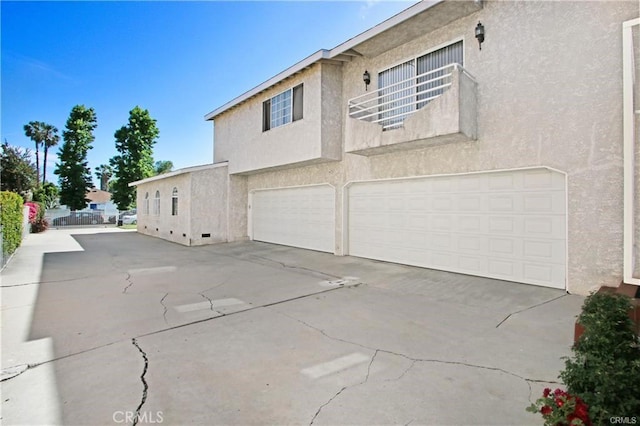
[[174, 201], [145, 204], [156, 203], [267, 106]]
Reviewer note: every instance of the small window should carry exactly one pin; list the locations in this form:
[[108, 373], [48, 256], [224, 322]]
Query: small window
[[283, 108], [156, 204], [145, 205], [174, 202]]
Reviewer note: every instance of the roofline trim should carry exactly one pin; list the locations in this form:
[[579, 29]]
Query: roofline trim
[[308, 61], [180, 172], [328, 54]]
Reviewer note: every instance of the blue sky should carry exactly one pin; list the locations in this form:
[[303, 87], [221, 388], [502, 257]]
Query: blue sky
[[179, 60]]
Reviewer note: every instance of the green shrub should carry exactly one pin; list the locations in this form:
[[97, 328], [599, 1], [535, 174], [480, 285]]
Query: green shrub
[[605, 367], [11, 220]]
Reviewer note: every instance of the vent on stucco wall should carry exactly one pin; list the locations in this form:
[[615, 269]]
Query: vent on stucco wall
[[206, 235]]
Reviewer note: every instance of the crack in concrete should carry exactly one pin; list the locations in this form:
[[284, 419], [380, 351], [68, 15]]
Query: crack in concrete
[[226, 280], [67, 280], [164, 314], [299, 268], [128, 279], [366, 379], [529, 308], [175, 327], [527, 380], [211, 304], [144, 381], [406, 370]]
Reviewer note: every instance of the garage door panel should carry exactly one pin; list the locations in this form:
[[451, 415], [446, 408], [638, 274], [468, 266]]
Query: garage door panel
[[300, 217], [508, 225]]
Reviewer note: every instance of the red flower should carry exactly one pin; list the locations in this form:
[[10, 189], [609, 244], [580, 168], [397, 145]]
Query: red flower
[[546, 392], [559, 402], [546, 410], [581, 410]]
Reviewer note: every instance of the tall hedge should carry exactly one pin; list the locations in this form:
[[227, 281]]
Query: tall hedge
[[11, 220]]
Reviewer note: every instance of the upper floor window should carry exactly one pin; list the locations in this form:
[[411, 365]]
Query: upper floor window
[[412, 84], [174, 202], [156, 204], [283, 108], [145, 205]]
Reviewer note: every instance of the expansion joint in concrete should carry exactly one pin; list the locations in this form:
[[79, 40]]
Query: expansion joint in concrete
[[529, 308]]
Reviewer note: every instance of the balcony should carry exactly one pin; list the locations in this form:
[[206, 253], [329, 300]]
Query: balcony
[[433, 108]]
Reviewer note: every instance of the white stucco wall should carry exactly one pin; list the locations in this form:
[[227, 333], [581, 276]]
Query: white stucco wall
[[202, 205], [165, 225], [240, 140], [208, 206], [549, 94]]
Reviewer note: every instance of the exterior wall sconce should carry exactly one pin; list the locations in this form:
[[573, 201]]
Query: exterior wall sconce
[[480, 34], [367, 79]]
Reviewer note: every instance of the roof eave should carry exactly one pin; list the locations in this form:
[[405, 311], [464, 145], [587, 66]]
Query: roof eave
[[308, 61], [327, 54]]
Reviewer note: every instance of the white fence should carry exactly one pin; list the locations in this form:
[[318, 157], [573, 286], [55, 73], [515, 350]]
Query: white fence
[[86, 217]]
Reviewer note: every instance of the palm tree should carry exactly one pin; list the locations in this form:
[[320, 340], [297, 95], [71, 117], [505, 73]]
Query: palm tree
[[104, 173], [51, 139], [42, 134], [33, 130]]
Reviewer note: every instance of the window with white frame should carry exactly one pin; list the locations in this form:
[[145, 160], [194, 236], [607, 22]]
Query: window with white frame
[[145, 205], [174, 202], [283, 108], [412, 84], [156, 204]]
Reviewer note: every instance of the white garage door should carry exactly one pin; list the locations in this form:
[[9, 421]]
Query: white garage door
[[509, 225], [300, 217]]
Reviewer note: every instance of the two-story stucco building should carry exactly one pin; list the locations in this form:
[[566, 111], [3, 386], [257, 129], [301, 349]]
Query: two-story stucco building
[[490, 138]]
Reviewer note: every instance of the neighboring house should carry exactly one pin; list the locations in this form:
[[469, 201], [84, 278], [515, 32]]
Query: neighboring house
[[506, 162], [100, 200]]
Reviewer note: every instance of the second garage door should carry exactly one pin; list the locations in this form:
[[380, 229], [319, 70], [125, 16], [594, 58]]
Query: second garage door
[[508, 225], [298, 216]]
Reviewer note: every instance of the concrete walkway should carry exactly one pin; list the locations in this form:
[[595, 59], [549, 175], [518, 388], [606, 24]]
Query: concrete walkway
[[103, 326]]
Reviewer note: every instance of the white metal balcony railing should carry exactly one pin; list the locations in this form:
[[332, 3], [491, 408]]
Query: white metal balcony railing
[[390, 105]]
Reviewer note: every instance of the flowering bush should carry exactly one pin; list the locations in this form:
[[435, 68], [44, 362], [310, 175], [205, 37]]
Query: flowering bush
[[36, 217], [558, 408], [33, 212]]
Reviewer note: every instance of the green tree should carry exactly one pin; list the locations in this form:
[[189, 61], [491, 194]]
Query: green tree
[[163, 167], [47, 194], [103, 173], [74, 174], [18, 173], [134, 143]]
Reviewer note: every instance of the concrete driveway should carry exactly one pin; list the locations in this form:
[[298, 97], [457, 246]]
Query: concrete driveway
[[107, 327]]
